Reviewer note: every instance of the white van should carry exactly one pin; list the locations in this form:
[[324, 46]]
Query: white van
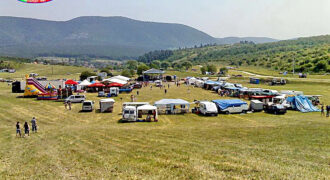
[[76, 98], [88, 106], [129, 113], [114, 91], [208, 108]]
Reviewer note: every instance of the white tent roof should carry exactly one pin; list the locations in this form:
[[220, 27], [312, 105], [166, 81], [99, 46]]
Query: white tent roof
[[107, 100], [115, 80], [171, 101], [85, 83], [147, 107], [122, 78]]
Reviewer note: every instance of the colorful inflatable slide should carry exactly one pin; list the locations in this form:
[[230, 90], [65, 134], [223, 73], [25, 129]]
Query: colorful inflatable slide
[[35, 89]]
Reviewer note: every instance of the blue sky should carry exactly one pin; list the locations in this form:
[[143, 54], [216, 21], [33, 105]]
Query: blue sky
[[282, 19]]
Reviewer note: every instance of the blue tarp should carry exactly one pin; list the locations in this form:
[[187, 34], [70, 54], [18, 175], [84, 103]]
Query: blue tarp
[[224, 104], [302, 104]]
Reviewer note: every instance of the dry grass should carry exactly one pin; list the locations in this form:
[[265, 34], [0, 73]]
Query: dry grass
[[73, 145]]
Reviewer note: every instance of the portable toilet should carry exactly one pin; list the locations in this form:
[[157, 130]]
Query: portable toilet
[[254, 80]]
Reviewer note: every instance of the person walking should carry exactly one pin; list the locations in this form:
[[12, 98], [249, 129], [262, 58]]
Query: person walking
[[66, 105], [18, 130], [165, 91], [328, 110], [322, 110], [34, 124], [69, 103], [26, 129]]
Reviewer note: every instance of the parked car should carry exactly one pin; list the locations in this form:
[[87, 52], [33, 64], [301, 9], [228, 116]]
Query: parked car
[[208, 108], [88, 106], [274, 82], [76, 98], [137, 86], [269, 92], [275, 108]]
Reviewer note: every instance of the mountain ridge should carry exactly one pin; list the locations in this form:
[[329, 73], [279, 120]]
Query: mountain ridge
[[114, 36]]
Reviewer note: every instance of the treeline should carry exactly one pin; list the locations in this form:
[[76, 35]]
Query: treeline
[[12, 62], [304, 54], [155, 55]]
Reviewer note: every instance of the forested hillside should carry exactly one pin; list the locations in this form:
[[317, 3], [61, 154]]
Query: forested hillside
[[307, 54], [112, 37]]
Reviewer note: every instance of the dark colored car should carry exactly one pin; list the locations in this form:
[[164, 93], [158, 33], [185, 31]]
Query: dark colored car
[[275, 109], [137, 86]]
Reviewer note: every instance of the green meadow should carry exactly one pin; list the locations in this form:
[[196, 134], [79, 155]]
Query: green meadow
[[76, 145]]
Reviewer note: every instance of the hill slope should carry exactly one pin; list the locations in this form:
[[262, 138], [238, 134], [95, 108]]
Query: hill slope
[[309, 55], [100, 36]]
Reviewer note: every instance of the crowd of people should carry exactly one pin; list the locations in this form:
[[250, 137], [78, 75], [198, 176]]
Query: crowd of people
[[26, 128]]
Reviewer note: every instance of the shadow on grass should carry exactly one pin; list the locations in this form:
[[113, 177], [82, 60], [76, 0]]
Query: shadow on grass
[[138, 121]]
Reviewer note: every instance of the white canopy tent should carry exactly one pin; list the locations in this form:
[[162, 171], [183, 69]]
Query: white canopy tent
[[148, 108], [114, 80], [123, 78], [83, 84]]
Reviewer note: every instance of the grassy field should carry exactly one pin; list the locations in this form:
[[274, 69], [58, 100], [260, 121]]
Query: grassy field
[[74, 145]]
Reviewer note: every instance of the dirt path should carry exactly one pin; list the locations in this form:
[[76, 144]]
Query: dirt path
[[289, 78]]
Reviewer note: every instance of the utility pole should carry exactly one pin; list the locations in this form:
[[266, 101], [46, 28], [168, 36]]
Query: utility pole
[[294, 63]]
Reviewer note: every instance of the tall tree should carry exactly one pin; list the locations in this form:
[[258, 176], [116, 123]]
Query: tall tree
[[142, 67]]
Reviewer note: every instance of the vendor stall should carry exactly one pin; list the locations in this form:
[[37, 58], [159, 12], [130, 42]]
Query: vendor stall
[[172, 106], [149, 111]]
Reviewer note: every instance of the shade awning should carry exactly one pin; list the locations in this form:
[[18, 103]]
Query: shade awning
[[115, 85], [71, 82], [97, 84]]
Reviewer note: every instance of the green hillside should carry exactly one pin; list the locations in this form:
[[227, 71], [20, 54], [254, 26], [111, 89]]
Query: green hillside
[[93, 36], [308, 54]]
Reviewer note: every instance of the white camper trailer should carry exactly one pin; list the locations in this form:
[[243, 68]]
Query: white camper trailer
[[106, 105], [208, 108]]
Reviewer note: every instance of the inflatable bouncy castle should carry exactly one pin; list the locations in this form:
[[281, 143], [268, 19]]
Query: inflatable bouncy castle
[[34, 88], [51, 93]]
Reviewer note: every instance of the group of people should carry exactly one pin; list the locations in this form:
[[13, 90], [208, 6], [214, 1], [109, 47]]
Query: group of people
[[26, 128], [327, 109]]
